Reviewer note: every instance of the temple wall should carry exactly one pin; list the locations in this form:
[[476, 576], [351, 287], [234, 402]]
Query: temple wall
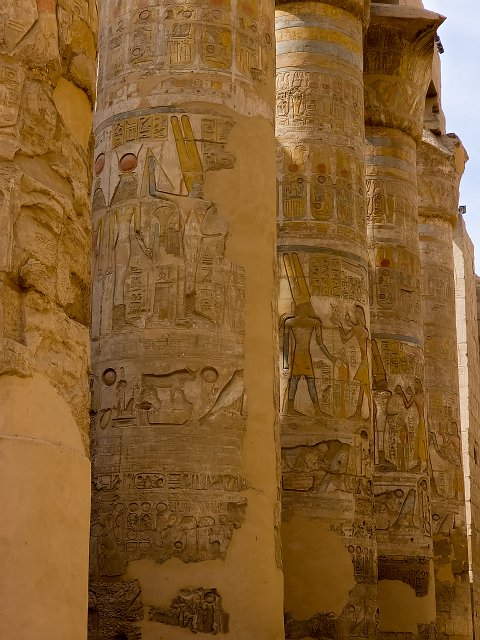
[[47, 71], [185, 515]]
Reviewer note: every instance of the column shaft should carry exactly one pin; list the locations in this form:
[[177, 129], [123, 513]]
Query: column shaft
[[440, 165], [328, 533], [185, 468], [47, 68], [399, 49]]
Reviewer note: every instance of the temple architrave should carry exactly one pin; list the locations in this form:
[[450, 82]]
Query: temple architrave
[[239, 361]]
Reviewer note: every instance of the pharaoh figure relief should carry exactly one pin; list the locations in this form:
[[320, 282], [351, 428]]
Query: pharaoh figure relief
[[325, 342], [168, 335]]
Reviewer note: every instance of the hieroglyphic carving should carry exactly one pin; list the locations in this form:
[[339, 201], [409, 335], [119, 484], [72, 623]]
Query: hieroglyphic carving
[[325, 388], [174, 38], [320, 187], [321, 101], [199, 610], [169, 324], [411, 570], [149, 127]]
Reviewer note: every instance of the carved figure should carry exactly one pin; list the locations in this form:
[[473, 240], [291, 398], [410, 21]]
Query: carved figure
[[416, 398], [199, 610], [301, 327], [358, 330], [124, 212]]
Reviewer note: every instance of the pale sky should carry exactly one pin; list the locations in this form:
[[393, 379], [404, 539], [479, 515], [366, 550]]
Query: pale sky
[[461, 96]]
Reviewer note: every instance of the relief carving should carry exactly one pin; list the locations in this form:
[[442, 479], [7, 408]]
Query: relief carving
[[205, 37], [199, 610], [413, 570], [343, 376], [168, 327]]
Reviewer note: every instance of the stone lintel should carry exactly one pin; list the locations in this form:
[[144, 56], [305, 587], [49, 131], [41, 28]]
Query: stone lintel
[[440, 164]]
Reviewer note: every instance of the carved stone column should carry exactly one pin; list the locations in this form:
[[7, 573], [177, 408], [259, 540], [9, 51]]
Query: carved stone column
[[185, 470], [440, 166], [328, 532], [398, 49], [47, 69]]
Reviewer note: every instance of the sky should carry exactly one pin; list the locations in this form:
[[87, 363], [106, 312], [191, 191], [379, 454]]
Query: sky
[[461, 96]]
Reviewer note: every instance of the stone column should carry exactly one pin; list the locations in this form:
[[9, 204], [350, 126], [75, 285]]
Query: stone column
[[47, 69], [398, 49], [328, 531], [185, 505], [440, 164]]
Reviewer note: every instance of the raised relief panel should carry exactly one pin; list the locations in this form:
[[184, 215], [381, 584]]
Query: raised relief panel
[[142, 43], [325, 339], [401, 437], [172, 303], [318, 100]]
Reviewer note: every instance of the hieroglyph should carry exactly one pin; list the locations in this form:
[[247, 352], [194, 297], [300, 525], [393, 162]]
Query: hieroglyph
[[168, 335]]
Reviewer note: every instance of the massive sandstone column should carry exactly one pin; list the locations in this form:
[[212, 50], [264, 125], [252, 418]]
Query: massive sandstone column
[[440, 165], [47, 81], [399, 50], [328, 532], [185, 507]]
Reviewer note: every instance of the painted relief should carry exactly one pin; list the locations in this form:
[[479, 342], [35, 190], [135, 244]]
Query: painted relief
[[167, 298], [326, 403], [320, 186], [320, 101], [326, 413], [324, 341]]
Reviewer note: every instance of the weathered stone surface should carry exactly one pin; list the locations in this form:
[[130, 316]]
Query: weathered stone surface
[[398, 61], [398, 52], [440, 164], [114, 608], [185, 472], [44, 316], [328, 536], [466, 291], [199, 610]]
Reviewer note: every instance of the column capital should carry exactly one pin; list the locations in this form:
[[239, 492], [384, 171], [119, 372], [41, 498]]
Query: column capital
[[399, 47], [440, 166], [358, 8]]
